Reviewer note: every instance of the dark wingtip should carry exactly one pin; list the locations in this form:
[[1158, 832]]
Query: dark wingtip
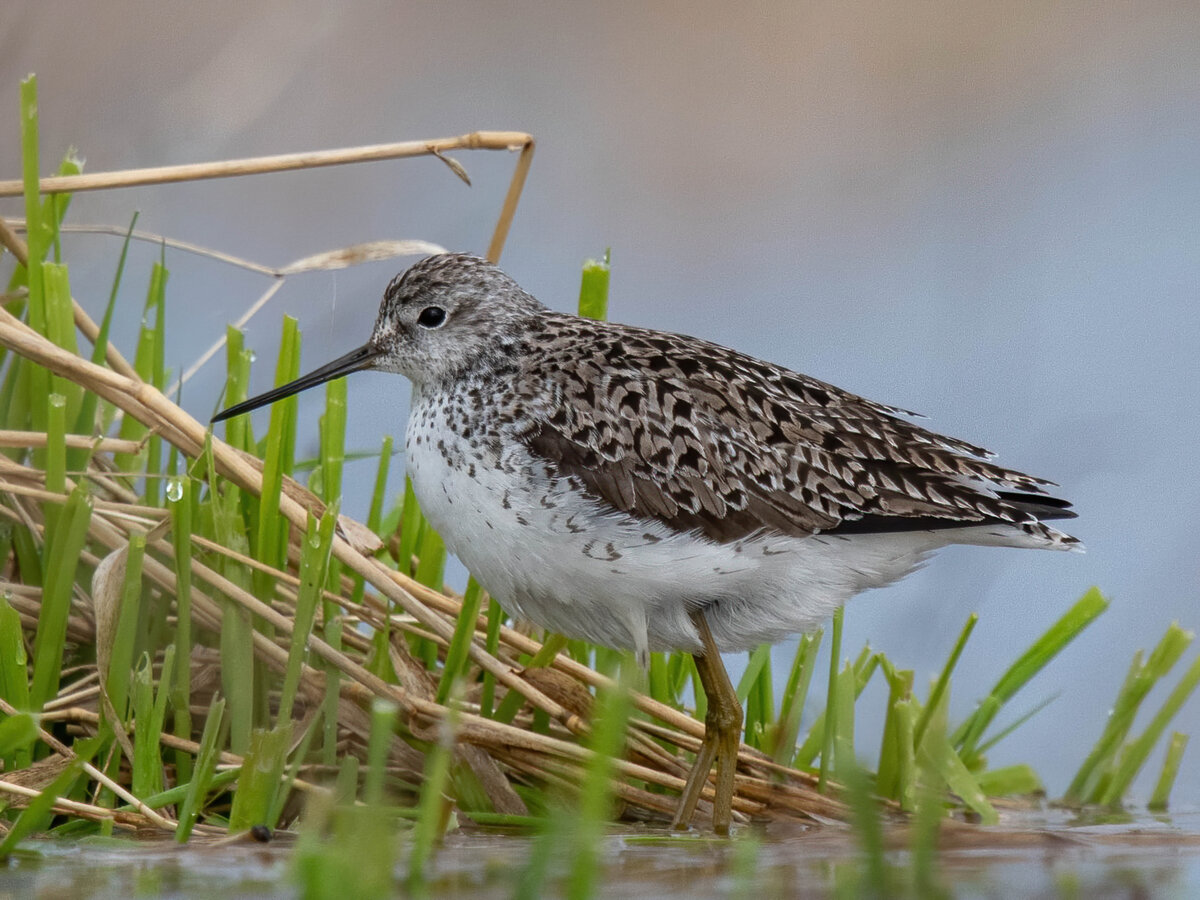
[[1042, 506]]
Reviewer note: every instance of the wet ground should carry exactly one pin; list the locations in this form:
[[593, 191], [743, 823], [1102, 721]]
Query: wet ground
[[1048, 857]]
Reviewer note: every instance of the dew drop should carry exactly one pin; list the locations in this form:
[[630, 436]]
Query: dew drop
[[175, 489]]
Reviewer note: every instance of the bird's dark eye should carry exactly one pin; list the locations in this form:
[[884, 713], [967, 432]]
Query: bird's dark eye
[[431, 317]]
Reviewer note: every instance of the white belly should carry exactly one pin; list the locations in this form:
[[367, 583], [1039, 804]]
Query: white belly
[[558, 560]]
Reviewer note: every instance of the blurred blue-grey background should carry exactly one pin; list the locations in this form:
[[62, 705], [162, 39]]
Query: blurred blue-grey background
[[986, 212]]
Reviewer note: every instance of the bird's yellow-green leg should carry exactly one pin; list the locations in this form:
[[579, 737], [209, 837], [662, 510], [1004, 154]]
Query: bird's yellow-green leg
[[722, 736]]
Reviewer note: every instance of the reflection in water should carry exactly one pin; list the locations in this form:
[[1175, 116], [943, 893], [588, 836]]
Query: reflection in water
[[1034, 859]]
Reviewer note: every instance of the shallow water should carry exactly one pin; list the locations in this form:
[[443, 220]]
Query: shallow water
[[1027, 857]]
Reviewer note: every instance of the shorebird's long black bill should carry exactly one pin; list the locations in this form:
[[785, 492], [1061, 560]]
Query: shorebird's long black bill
[[354, 361]]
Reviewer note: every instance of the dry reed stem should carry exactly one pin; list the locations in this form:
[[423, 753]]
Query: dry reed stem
[[20, 225], [438, 147], [226, 759], [13, 244], [30, 439], [259, 165], [63, 806]]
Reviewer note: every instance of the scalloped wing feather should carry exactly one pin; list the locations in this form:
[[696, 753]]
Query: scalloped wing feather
[[703, 438]]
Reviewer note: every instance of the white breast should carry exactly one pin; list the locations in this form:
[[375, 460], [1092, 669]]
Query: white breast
[[566, 563]]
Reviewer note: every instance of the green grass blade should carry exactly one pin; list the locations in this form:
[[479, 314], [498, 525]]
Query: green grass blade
[[863, 668], [178, 794], [943, 680], [936, 755], [14, 401], [157, 300], [332, 428], [1166, 779], [239, 670], [431, 558], [314, 560], [1135, 753], [17, 735], [458, 653], [868, 830], [1066, 629], [928, 801], [237, 381], [179, 501], [60, 315], [29, 556], [206, 764], [88, 421], [238, 673], [433, 810], [791, 710], [162, 695], [1009, 781], [375, 518], [829, 732], [758, 698], [411, 525], [958, 778], [14, 679], [375, 514], [271, 544], [26, 386], [55, 206], [149, 713], [383, 726], [293, 769], [65, 549], [54, 459], [756, 660], [843, 739], [100, 347], [262, 771], [905, 786], [124, 645], [613, 708], [495, 618], [1016, 723], [34, 379], [147, 362], [658, 678], [60, 328], [896, 770], [222, 518], [37, 235], [329, 704], [593, 288], [1139, 681]]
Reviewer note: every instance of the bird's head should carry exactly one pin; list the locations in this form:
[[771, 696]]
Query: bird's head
[[444, 316]]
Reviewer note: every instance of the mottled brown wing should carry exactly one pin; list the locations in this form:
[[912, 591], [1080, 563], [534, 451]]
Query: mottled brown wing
[[700, 437]]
